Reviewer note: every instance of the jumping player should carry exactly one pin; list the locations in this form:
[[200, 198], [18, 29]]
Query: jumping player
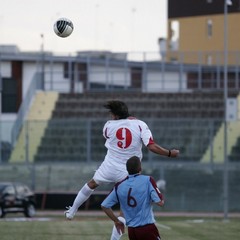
[[124, 138]]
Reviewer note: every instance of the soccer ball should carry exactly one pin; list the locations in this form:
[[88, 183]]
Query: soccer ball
[[63, 27]]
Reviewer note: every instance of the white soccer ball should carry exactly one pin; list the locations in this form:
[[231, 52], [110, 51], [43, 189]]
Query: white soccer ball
[[63, 27]]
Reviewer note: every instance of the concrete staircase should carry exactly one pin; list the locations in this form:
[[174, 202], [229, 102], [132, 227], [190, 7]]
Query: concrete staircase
[[34, 127], [233, 146]]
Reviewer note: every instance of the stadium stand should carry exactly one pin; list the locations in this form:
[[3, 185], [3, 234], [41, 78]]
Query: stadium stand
[[72, 133], [180, 120], [144, 105]]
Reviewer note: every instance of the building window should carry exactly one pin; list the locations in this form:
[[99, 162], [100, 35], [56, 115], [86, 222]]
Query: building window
[[209, 28], [9, 95], [174, 40], [209, 60]]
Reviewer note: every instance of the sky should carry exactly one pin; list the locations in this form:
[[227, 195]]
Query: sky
[[99, 25]]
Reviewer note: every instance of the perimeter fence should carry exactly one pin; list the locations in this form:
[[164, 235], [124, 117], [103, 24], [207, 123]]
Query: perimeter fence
[[187, 187], [193, 182]]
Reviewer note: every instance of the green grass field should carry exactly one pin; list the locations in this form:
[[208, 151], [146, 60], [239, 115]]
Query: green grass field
[[99, 228]]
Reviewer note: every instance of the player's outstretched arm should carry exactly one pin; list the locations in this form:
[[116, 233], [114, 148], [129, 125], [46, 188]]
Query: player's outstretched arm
[[163, 151]]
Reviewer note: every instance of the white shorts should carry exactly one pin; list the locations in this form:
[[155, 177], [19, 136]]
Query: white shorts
[[109, 174]]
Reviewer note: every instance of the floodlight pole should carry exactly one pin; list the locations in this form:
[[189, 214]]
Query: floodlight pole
[[1, 121], [0, 114], [225, 171], [42, 64]]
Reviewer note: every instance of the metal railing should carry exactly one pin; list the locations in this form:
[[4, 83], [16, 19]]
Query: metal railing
[[34, 86]]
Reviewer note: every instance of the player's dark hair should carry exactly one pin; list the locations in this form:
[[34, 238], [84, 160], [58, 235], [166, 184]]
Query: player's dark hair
[[118, 108], [134, 165]]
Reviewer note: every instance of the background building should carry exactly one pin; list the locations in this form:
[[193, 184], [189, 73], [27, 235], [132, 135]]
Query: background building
[[196, 31]]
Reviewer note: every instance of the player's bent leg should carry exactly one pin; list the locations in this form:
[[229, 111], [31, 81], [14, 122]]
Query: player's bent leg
[[85, 192], [115, 235]]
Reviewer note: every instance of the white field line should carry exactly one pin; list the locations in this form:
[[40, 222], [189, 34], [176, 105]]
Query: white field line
[[163, 226]]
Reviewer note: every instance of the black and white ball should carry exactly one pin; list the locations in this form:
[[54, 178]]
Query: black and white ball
[[63, 27]]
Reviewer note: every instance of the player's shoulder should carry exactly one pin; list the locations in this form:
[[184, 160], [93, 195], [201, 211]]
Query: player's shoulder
[[144, 177], [148, 178], [121, 182], [134, 119]]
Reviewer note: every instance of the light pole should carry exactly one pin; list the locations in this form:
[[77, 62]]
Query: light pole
[[225, 171], [0, 115], [42, 64], [1, 90]]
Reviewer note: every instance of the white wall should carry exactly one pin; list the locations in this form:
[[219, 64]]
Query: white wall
[[112, 75], [54, 78], [7, 121], [29, 70], [158, 82], [5, 69]]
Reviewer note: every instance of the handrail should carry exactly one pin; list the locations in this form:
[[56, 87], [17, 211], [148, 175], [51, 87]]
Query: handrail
[[34, 85]]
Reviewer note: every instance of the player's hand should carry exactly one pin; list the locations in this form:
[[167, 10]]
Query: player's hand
[[120, 227], [174, 153], [161, 203]]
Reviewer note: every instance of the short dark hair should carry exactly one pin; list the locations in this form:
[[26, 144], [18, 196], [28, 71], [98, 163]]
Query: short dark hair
[[134, 165], [118, 108]]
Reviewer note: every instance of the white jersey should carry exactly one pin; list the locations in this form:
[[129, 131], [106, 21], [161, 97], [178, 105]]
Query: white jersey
[[124, 139]]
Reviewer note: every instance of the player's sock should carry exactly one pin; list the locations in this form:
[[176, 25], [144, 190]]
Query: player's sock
[[84, 193], [115, 235]]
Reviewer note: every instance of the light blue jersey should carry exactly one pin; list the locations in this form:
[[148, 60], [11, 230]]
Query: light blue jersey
[[135, 195]]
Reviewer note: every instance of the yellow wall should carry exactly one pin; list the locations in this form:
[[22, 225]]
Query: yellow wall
[[39, 114], [193, 36], [233, 133]]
